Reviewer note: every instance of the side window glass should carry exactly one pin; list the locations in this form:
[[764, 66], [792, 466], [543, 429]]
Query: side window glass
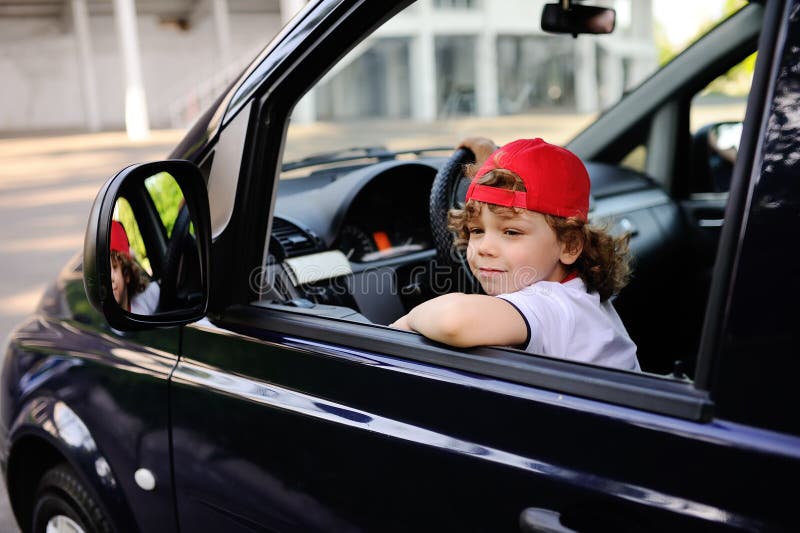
[[352, 232], [716, 117], [636, 159]]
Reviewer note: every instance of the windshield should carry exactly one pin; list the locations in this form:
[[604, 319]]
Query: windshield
[[442, 70]]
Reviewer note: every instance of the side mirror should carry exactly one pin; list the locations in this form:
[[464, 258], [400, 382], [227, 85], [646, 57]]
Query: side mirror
[[715, 148], [147, 244], [573, 18]]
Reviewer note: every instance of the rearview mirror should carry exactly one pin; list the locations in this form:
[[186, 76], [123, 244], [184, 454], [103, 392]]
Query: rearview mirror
[[146, 247], [572, 18]]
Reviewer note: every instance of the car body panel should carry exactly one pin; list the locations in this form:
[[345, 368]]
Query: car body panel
[[113, 387], [327, 425]]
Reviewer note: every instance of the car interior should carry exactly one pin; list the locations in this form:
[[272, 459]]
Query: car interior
[[352, 237]]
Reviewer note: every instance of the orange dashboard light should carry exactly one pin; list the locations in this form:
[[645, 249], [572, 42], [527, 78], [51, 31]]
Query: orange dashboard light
[[382, 240]]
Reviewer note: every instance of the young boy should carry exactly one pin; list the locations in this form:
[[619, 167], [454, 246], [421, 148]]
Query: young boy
[[547, 274], [131, 286]]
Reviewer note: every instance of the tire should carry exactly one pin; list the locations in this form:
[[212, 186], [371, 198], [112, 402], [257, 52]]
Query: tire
[[64, 503]]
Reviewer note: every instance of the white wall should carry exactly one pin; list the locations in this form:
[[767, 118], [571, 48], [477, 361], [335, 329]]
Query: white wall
[[40, 82]]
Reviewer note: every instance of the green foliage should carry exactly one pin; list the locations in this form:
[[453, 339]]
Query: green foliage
[[167, 197], [735, 82]]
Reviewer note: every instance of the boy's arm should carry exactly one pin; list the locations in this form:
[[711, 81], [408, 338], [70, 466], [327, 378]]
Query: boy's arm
[[466, 320]]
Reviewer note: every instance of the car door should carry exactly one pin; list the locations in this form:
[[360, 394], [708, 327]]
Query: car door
[[293, 421]]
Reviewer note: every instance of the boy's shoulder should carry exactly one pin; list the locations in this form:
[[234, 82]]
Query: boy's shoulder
[[555, 288]]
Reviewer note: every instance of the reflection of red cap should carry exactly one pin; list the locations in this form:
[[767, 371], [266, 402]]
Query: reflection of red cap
[[119, 239], [556, 180]]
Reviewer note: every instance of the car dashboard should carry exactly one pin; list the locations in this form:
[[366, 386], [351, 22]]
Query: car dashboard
[[353, 237]]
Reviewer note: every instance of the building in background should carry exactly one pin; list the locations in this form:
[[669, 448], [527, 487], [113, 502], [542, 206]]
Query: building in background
[[100, 64]]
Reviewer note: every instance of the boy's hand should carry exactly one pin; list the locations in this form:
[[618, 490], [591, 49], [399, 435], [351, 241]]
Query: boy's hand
[[480, 146], [401, 323]]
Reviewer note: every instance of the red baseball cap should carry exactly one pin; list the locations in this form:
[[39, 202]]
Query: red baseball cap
[[556, 179], [119, 238]]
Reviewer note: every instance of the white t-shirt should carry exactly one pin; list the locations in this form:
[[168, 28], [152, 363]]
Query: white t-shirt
[[146, 302], [564, 320]]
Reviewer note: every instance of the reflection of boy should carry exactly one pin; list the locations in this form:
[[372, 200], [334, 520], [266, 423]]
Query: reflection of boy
[[129, 283], [547, 274]]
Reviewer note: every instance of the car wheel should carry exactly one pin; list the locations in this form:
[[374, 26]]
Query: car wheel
[[63, 505]]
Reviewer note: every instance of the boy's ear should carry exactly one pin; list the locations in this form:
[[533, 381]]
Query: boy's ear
[[571, 249]]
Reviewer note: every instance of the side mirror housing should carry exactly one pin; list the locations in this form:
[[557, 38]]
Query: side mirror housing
[[147, 245], [572, 18]]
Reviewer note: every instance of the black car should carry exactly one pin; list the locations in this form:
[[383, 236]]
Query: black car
[[264, 391]]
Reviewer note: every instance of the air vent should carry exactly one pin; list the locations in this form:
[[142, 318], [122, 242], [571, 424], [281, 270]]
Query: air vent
[[291, 240]]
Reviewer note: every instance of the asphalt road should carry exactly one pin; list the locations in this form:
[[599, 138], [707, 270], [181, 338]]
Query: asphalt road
[[47, 185]]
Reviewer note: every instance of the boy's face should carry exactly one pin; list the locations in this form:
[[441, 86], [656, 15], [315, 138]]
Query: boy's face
[[508, 251], [119, 284]]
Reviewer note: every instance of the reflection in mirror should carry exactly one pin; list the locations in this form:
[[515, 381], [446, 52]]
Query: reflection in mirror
[[723, 143], [155, 266], [133, 288], [725, 136]]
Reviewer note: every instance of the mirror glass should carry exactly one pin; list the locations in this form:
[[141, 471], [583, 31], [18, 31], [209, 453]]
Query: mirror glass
[[723, 143], [154, 261]]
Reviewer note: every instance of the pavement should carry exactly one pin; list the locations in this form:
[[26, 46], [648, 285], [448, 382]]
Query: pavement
[[47, 185]]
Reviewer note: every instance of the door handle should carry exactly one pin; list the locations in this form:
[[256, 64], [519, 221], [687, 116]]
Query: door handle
[[538, 520]]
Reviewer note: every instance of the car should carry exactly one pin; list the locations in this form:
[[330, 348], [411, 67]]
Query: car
[[266, 392]]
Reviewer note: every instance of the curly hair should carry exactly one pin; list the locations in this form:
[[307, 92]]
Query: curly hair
[[137, 279], [604, 263]]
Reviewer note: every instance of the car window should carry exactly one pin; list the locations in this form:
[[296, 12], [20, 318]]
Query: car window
[[405, 89], [350, 227], [716, 118]]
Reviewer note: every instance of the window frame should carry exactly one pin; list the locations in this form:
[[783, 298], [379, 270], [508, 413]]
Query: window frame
[[248, 234]]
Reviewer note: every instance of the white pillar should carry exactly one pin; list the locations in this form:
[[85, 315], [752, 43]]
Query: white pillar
[[642, 64], [486, 74], [612, 74], [222, 22], [80, 16], [423, 67], [586, 89], [137, 123], [395, 88]]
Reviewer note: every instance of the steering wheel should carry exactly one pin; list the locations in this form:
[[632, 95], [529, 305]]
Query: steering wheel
[[448, 191], [172, 260]]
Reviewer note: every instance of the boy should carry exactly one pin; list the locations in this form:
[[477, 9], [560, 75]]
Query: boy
[[547, 274], [131, 286]]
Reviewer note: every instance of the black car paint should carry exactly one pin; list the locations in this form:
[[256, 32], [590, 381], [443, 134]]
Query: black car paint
[[307, 434]]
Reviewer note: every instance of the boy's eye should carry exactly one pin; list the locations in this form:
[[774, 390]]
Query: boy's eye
[[475, 231], [513, 232]]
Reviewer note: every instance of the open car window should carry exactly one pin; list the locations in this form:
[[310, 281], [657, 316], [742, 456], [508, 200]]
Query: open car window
[[351, 236]]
